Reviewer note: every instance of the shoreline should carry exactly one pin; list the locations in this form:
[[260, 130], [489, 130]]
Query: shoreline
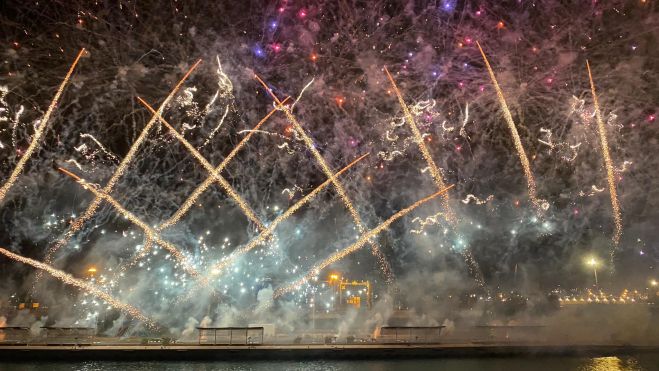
[[30, 353]]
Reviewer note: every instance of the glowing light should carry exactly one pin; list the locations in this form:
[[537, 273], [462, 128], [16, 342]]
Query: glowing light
[[384, 264], [530, 182], [85, 286], [39, 132], [258, 51], [364, 239], [607, 163]]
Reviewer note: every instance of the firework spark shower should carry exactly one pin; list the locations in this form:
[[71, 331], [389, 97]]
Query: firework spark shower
[[225, 166]]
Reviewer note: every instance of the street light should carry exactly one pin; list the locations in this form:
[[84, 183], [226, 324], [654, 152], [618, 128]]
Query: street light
[[591, 261], [654, 283]]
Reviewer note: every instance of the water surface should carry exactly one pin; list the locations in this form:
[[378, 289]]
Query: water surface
[[644, 362]]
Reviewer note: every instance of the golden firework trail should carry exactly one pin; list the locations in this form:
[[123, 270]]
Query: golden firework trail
[[91, 209], [530, 182], [384, 264], [85, 286], [247, 210], [437, 177], [610, 177], [217, 268], [357, 245], [190, 201], [148, 231], [41, 129], [434, 170]]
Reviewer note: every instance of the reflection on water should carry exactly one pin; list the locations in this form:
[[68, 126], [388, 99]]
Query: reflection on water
[[644, 362], [614, 364]]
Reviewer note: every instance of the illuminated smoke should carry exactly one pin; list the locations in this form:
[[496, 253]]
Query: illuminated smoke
[[150, 233], [364, 239], [85, 286], [280, 219]]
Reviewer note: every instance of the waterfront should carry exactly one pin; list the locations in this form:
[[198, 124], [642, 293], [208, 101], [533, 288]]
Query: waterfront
[[642, 362]]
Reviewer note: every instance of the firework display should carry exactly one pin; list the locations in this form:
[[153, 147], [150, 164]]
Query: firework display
[[289, 134], [70, 280], [601, 129], [530, 182], [43, 124], [326, 170]]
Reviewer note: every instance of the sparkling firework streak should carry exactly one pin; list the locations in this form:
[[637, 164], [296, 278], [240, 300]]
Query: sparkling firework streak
[[39, 132], [434, 171], [271, 228], [148, 231], [299, 96], [530, 182], [105, 150], [190, 201], [85, 286], [436, 175], [212, 134], [465, 120], [607, 163], [365, 238], [384, 264], [207, 165], [91, 209]]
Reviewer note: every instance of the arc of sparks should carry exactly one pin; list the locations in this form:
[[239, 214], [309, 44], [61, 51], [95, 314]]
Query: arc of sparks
[[190, 201], [39, 132], [382, 260], [434, 170], [526, 166], [281, 218], [93, 206], [85, 286], [247, 210], [608, 164], [357, 245], [150, 233]]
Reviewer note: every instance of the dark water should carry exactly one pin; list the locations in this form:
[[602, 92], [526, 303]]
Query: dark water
[[645, 362]]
